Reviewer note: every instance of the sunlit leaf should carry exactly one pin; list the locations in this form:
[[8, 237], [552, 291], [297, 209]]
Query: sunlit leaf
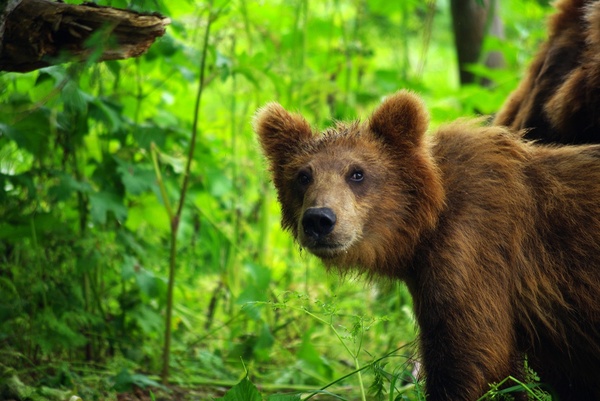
[[177, 163]]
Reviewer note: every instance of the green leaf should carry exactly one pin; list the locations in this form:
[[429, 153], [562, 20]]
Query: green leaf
[[104, 202], [129, 267], [31, 133], [147, 282], [137, 179], [67, 184], [52, 332], [219, 183], [311, 357], [114, 67], [146, 134], [8, 231], [22, 183], [223, 64], [107, 112], [243, 391], [148, 214], [264, 343], [42, 77], [164, 47], [177, 163], [129, 240], [148, 319], [256, 289], [23, 226], [74, 98], [125, 380]]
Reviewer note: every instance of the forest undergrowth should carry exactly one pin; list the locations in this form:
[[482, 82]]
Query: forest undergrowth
[[141, 255]]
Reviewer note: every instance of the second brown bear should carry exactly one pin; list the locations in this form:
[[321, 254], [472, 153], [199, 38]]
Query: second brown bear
[[559, 98]]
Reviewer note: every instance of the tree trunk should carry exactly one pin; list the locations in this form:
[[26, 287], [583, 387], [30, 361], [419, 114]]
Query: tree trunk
[[39, 33], [471, 21]]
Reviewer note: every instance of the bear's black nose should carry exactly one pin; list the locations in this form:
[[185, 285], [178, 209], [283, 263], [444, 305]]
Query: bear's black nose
[[318, 222]]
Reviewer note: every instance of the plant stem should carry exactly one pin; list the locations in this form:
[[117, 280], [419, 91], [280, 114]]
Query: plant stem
[[367, 366], [358, 369], [175, 219], [354, 355]]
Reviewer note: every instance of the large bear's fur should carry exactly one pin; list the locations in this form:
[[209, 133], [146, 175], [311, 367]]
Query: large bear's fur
[[497, 239], [558, 101]]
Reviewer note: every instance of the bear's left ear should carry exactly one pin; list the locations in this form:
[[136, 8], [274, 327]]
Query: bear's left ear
[[401, 120], [279, 132]]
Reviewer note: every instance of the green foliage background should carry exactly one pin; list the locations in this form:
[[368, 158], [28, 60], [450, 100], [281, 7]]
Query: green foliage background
[[84, 234]]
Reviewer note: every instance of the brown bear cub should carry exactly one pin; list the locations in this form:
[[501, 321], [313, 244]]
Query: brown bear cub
[[498, 239]]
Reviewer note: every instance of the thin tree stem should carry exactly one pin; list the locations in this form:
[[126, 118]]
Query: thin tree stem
[[186, 177], [184, 187]]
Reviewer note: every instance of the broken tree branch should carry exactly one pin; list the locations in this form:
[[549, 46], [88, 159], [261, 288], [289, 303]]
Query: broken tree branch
[[39, 33]]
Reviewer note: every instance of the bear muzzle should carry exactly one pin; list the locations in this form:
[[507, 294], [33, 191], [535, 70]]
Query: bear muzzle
[[317, 222], [318, 233]]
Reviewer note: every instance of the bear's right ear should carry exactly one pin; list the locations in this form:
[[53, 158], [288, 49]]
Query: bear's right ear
[[401, 120], [280, 132]]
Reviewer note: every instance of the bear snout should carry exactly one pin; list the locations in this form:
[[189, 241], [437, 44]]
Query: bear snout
[[317, 222]]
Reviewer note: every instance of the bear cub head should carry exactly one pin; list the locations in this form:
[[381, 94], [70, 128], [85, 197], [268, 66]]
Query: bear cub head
[[358, 195]]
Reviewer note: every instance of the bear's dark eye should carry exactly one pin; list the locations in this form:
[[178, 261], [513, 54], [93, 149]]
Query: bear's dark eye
[[357, 175], [304, 178]]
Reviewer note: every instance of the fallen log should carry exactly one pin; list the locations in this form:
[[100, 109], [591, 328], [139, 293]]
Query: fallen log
[[39, 33]]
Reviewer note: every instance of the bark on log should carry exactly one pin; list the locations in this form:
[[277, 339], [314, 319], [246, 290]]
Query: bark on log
[[6, 7], [39, 33]]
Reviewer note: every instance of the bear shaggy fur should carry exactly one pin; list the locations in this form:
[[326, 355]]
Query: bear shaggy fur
[[498, 239], [559, 98]]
